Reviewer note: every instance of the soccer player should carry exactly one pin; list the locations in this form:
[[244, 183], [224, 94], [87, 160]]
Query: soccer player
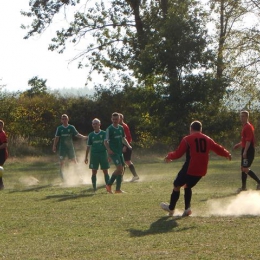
[[3, 151], [115, 138], [63, 136], [127, 153], [197, 146], [248, 151], [98, 152]]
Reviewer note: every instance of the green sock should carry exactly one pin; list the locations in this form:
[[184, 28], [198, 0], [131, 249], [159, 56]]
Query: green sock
[[106, 177], [112, 179], [118, 182], [94, 181]]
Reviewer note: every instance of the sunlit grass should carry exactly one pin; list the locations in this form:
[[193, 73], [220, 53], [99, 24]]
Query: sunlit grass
[[48, 220]]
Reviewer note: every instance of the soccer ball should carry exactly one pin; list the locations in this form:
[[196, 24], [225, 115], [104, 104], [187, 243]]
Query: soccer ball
[[1, 171]]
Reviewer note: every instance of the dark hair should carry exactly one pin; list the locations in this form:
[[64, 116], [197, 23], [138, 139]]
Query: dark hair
[[196, 126]]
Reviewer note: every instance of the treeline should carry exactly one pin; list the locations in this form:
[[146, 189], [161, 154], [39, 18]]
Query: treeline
[[32, 117]]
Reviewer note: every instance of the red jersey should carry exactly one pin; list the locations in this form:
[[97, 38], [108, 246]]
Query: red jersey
[[127, 133], [197, 147], [247, 135], [3, 139]]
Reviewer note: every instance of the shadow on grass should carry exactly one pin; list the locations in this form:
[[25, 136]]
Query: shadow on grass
[[162, 225], [220, 196], [72, 196], [35, 188]]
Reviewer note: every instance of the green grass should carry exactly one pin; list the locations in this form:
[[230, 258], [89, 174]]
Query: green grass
[[46, 220]]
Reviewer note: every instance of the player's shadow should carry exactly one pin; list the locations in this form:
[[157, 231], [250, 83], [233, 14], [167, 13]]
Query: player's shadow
[[162, 225], [34, 188], [64, 197]]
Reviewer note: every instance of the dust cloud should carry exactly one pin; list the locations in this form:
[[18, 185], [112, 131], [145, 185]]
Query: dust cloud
[[244, 203]]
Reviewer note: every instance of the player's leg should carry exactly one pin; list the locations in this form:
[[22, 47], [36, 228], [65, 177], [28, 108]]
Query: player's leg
[[179, 181], [190, 183], [104, 165], [244, 164], [119, 178], [117, 174], [127, 158], [2, 161], [94, 179]]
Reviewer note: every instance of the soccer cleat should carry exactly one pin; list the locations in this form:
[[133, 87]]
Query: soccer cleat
[[241, 189], [165, 207], [135, 178], [258, 186], [119, 191], [108, 188], [186, 212]]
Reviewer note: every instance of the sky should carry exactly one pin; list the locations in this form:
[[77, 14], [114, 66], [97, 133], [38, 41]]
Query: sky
[[21, 60]]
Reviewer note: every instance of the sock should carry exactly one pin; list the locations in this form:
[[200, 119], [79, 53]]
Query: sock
[[106, 177], [61, 174], [253, 176], [174, 198], [243, 178], [118, 182], [112, 179], [94, 181], [187, 197], [132, 169], [1, 181]]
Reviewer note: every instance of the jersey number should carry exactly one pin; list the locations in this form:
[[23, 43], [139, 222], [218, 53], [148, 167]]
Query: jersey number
[[201, 145]]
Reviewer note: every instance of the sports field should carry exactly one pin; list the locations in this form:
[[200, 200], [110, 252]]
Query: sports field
[[41, 218]]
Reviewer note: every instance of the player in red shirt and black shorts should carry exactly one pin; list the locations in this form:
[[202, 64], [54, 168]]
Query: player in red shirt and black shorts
[[127, 153], [248, 151], [197, 147], [3, 151]]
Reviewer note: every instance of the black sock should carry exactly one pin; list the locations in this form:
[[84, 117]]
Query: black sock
[[132, 169], [243, 178], [187, 197], [253, 176], [174, 198]]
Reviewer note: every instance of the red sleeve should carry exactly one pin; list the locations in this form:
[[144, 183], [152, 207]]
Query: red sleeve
[[249, 133], [127, 133], [218, 149], [3, 137], [179, 152]]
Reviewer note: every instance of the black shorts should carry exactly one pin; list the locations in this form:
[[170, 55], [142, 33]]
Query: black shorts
[[183, 178], [128, 154], [2, 157], [246, 163]]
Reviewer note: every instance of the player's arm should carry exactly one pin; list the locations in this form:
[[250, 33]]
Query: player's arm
[[55, 142], [87, 152], [246, 148], [178, 153], [220, 150], [237, 145], [3, 146], [82, 136], [125, 142]]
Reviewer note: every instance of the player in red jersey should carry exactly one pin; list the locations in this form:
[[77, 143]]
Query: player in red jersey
[[3, 151], [127, 153], [197, 147], [248, 150]]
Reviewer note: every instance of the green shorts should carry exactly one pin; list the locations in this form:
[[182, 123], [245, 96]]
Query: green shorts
[[118, 159], [70, 153], [97, 159]]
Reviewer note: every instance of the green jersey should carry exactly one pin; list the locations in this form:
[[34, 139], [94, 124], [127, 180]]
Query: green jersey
[[65, 134], [96, 141], [114, 137]]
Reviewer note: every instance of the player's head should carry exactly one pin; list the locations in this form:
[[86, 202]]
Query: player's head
[[121, 118], [196, 126], [96, 123], [115, 118], [64, 118], [244, 116]]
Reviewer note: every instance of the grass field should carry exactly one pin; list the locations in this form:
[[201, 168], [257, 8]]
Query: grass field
[[41, 218]]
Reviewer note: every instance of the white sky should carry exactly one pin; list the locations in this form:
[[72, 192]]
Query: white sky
[[21, 60]]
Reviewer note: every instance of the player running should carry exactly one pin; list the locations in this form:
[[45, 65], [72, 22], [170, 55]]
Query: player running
[[197, 147]]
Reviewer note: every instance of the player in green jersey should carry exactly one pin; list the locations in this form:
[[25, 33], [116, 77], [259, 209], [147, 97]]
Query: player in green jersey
[[115, 138], [98, 153], [63, 137]]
